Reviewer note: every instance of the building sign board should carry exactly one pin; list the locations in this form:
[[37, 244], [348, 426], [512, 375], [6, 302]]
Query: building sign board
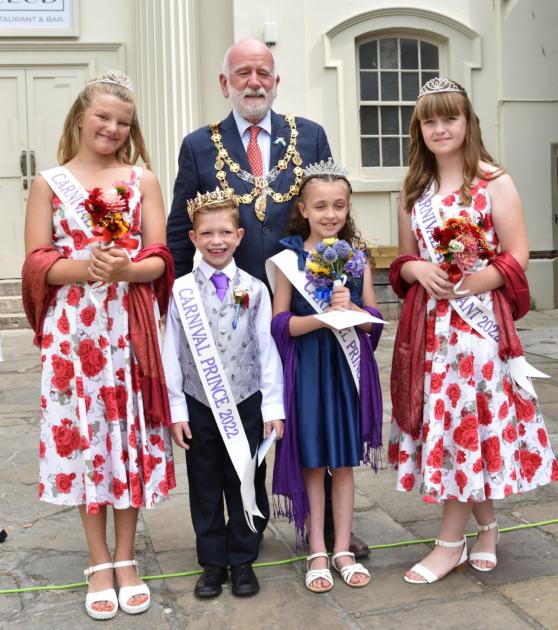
[[39, 18]]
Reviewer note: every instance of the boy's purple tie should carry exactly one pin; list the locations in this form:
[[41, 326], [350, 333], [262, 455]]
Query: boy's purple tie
[[221, 282]]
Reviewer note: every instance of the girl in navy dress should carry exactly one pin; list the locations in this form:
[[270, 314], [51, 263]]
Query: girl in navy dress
[[328, 424]]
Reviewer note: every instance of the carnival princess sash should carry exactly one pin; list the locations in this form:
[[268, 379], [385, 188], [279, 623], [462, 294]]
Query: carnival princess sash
[[469, 307], [287, 262], [217, 389], [71, 192]]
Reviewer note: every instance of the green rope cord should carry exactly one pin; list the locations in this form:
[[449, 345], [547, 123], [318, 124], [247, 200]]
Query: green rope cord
[[274, 563]]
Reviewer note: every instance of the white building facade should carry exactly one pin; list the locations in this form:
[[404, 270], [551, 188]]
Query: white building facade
[[355, 67]]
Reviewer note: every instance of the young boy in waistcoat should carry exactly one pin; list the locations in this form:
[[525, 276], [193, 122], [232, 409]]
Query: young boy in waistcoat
[[238, 311]]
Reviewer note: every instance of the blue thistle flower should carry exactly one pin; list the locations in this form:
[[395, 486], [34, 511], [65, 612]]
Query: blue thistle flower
[[320, 248], [342, 248], [330, 255]]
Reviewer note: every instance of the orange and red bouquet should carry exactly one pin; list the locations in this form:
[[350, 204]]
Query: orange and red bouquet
[[107, 211], [462, 242]]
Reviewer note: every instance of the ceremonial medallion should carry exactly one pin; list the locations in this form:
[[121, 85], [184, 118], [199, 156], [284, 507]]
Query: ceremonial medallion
[[261, 185], [260, 207]]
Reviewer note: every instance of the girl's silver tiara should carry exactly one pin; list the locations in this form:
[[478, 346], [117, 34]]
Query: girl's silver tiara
[[438, 85], [322, 169], [116, 78]]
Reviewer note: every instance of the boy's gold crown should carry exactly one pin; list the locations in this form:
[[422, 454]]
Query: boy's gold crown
[[210, 198]]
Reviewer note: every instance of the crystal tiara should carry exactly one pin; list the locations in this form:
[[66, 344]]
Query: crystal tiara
[[209, 199], [438, 85], [322, 169], [116, 78]]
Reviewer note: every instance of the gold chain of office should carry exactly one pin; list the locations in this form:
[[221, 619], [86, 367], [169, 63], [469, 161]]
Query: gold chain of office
[[262, 186]]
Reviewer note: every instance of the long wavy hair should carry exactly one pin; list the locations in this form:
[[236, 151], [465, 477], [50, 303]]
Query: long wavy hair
[[422, 162], [349, 232], [129, 153]]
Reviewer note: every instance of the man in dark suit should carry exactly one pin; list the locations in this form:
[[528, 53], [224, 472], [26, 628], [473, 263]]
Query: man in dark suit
[[257, 153], [249, 80]]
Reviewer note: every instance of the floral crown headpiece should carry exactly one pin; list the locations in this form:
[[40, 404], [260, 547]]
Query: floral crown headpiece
[[438, 85], [116, 78], [210, 198], [323, 169]]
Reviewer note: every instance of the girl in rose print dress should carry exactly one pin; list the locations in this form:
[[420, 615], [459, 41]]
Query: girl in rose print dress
[[99, 446], [478, 435]]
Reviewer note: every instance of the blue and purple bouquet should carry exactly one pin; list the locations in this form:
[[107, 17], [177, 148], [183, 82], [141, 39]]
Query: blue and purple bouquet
[[332, 262]]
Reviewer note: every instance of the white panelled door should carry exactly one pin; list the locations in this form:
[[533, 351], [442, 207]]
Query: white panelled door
[[34, 103]]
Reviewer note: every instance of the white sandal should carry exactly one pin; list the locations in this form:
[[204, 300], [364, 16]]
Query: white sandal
[[315, 574], [428, 575], [108, 595], [127, 592], [349, 570], [485, 555]]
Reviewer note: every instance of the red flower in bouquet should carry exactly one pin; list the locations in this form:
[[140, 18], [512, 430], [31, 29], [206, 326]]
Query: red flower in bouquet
[[462, 242], [107, 215]]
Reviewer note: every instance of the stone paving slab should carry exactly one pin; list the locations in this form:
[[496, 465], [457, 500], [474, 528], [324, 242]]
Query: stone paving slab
[[45, 543], [537, 597], [480, 611], [537, 514], [280, 604]]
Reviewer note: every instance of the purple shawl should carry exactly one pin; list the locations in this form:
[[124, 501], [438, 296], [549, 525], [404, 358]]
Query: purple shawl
[[288, 484]]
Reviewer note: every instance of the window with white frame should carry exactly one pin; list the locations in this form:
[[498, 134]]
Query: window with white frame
[[391, 71]]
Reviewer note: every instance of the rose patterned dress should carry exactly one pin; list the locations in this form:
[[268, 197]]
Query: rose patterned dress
[[482, 436], [95, 447]]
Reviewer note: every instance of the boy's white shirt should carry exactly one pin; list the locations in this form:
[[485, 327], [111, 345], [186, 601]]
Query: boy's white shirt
[[271, 370]]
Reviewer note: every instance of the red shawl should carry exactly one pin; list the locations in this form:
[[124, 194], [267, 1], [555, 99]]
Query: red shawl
[[511, 302], [407, 369], [144, 335], [38, 295]]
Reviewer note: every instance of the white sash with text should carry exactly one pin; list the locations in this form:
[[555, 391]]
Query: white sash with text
[[287, 262], [217, 389], [469, 307], [71, 192]]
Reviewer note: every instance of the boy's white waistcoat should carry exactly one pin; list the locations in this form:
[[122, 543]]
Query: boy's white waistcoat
[[238, 348]]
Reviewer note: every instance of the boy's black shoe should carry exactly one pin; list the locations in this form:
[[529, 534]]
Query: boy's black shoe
[[244, 580], [210, 583]]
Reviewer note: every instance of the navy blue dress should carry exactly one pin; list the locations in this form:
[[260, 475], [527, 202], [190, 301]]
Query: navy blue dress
[[329, 432]]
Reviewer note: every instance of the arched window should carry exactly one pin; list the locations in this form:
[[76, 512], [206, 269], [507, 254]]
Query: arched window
[[391, 71]]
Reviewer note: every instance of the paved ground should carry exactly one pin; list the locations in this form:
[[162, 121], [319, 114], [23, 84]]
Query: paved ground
[[45, 545]]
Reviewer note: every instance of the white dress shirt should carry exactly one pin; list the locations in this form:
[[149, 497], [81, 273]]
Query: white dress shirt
[[271, 370], [264, 137]]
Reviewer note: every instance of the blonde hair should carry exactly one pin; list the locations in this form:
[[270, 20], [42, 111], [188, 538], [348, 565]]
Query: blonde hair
[[422, 163], [134, 147]]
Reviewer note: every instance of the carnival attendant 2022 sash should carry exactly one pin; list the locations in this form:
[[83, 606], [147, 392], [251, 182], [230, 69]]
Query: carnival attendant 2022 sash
[[469, 307], [287, 262], [217, 389]]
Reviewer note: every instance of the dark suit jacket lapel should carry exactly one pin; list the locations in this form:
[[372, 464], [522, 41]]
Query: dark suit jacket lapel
[[233, 142]]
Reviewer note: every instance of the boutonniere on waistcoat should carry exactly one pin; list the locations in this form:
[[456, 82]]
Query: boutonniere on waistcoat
[[241, 302], [280, 140]]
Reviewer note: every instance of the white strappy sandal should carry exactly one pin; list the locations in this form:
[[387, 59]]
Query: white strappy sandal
[[348, 571], [108, 595], [485, 555], [127, 592], [315, 574], [428, 575]]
